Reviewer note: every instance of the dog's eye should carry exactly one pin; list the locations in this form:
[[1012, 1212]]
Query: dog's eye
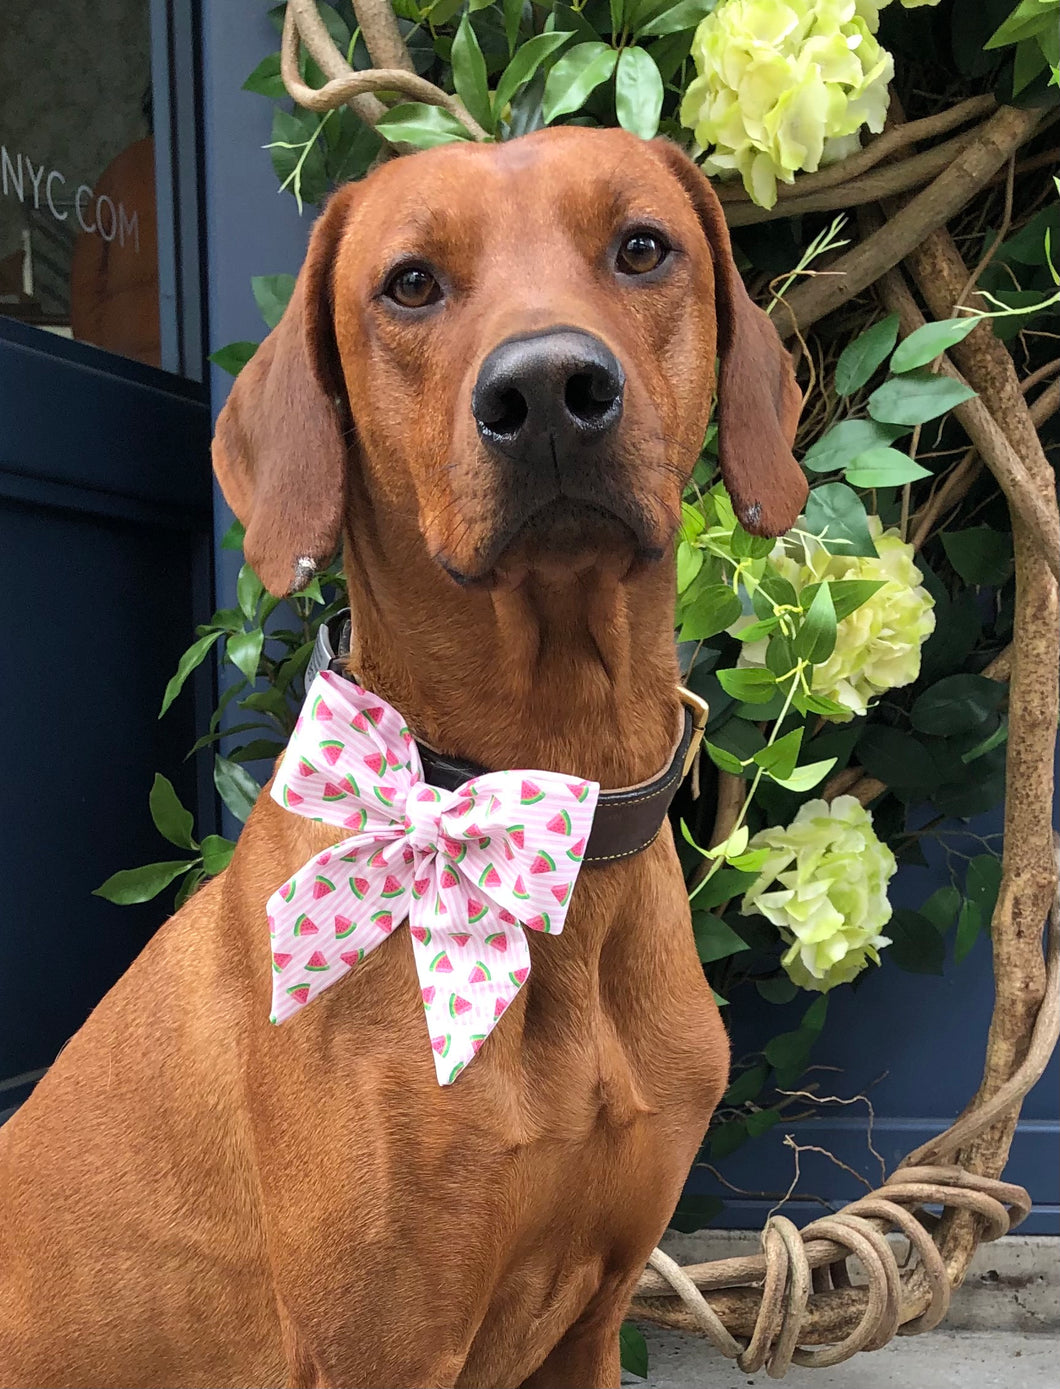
[[641, 252], [413, 288]]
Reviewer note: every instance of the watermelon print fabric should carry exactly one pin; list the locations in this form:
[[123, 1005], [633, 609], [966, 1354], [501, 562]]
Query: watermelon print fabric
[[468, 869]]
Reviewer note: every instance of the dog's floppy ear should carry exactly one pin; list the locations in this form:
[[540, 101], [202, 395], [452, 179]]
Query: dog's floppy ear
[[279, 449], [758, 400]]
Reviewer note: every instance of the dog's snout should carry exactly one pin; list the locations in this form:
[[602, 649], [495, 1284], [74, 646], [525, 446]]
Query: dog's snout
[[557, 389]]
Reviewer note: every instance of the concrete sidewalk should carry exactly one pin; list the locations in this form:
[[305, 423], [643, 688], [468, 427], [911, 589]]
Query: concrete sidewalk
[[938, 1360]]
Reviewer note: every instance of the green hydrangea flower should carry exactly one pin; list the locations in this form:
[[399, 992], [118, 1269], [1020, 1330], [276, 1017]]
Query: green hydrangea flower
[[878, 645], [785, 85], [824, 886]]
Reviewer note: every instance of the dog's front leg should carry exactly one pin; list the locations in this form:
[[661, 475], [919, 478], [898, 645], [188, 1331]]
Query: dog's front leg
[[587, 1356]]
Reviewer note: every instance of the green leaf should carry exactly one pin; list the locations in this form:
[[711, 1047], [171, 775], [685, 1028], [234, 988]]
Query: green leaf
[[575, 77], [896, 758], [779, 990], [713, 609], [236, 787], [846, 441], [753, 686], [969, 928], [234, 536], [527, 60], [929, 341], [234, 356], [633, 1350], [725, 760], [266, 79], [249, 589], [747, 1085], [678, 18], [979, 554], [847, 594], [860, 358], [779, 758], [416, 123], [172, 821], [141, 884], [689, 563], [638, 93], [957, 704], [192, 880], [714, 939], [983, 883], [835, 511], [916, 945], [884, 467], [815, 639], [193, 657], [244, 651], [694, 1212], [916, 398], [988, 744], [272, 293], [216, 853], [725, 884], [747, 546], [806, 777], [513, 13], [941, 908], [469, 74], [724, 1140]]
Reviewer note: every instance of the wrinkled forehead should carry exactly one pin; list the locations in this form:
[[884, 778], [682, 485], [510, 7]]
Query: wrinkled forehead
[[521, 201]]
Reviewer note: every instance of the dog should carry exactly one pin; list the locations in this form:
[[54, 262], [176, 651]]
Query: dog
[[491, 385]]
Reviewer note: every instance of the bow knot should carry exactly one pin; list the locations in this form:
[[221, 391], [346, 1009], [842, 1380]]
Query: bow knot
[[469, 868]]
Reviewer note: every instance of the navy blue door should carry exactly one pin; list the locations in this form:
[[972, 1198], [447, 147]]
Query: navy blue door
[[105, 494]]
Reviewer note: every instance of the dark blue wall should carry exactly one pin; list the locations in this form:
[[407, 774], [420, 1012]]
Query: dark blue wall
[[913, 1043]]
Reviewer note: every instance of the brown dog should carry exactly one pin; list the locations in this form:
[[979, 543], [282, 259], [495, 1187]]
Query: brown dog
[[194, 1197]]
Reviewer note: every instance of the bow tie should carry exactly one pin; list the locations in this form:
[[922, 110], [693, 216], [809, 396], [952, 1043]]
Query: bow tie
[[468, 868]]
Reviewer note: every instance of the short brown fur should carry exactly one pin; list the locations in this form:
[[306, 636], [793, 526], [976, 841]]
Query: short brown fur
[[194, 1197]]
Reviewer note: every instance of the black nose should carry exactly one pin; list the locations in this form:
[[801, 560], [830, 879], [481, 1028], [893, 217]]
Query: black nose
[[551, 391]]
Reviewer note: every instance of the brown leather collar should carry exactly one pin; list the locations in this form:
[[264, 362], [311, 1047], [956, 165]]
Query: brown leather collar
[[626, 820]]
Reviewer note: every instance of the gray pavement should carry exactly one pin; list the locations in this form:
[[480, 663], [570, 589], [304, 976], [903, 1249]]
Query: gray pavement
[[937, 1360]]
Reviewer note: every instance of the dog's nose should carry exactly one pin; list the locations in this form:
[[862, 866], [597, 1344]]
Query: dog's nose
[[563, 387]]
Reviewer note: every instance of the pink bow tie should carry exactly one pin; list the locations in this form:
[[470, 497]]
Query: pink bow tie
[[468, 868]]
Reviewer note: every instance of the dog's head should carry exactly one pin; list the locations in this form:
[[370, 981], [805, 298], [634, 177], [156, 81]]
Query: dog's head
[[514, 345]]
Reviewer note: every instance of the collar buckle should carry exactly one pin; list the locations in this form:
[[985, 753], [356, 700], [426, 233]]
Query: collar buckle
[[700, 711]]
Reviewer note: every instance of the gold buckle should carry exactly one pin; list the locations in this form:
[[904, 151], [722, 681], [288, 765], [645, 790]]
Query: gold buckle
[[700, 715]]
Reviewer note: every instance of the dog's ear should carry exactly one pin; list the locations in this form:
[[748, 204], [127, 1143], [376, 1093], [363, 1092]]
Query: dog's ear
[[279, 450], [758, 399]]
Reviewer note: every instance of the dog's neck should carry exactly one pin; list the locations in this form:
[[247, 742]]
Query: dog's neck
[[563, 671]]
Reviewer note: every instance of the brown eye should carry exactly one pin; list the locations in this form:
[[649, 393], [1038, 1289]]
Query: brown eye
[[641, 252], [413, 288]]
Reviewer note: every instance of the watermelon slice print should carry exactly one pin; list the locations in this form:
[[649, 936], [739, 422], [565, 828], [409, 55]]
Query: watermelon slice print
[[317, 961], [543, 863], [305, 926], [460, 938], [291, 799], [299, 992], [519, 976], [419, 887], [324, 859], [344, 927], [476, 1041], [332, 792], [489, 877], [455, 1071], [357, 821], [351, 785], [280, 960], [476, 910], [377, 860], [428, 995], [352, 957], [458, 1006], [454, 849], [374, 715], [427, 793], [578, 789], [272, 925], [576, 852], [517, 833], [392, 887], [322, 886], [320, 709], [359, 722], [448, 878], [530, 794], [421, 933], [561, 893], [288, 890], [359, 886], [392, 759], [498, 941], [499, 1006], [332, 750], [306, 768], [480, 974], [519, 889], [385, 795], [384, 920], [441, 1043], [560, 823], [375, 762], [441, 964], [507, 850], [540, 923]]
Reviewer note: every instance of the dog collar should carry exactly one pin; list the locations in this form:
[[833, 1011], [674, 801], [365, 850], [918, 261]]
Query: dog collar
[[627, 820]]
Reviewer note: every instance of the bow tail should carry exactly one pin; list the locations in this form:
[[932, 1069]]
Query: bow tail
[[469, 972], [327, 917]]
